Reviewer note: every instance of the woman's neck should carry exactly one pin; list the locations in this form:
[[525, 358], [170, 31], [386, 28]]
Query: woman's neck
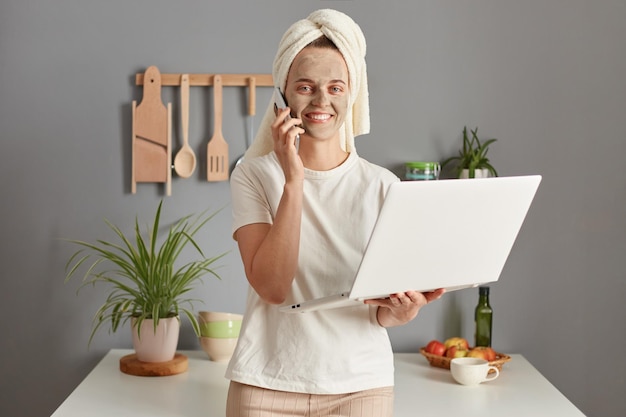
[[322, 156]]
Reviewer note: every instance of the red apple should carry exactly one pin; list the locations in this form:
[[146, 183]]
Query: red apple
[[435, 347], [482, 352], [456, 352], [456, 341]]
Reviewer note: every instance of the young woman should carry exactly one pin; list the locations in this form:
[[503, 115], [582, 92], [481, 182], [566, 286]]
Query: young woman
[[302, 219]]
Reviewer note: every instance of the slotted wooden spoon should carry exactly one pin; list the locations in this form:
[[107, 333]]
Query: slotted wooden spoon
[[185, 161], [217, 149]]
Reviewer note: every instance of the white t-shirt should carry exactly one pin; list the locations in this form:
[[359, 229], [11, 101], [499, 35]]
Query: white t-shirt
[[325, 352]]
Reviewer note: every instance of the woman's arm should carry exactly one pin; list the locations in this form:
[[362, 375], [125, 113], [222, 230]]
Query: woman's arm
[[270, 251]]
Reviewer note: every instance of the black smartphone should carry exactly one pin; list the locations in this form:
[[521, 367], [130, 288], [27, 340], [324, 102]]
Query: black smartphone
[[280, 103], [279, 99]]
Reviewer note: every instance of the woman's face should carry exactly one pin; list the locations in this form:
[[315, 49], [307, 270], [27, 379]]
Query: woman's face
[[318, 91]]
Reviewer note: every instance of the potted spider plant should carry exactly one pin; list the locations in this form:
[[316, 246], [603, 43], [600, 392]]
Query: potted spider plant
[[472, 161], [147, 288]]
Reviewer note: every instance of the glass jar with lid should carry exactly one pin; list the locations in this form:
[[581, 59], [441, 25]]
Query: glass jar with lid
[[422, 171]]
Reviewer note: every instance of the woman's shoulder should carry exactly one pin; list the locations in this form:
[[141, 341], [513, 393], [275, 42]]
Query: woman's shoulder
[[260, 161], [258, 165], [375, 171]]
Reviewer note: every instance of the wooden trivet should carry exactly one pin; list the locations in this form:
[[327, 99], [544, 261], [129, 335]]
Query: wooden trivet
[[129, 364]]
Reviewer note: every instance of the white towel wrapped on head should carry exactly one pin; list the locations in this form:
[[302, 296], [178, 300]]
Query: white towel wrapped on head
[[348, 37]]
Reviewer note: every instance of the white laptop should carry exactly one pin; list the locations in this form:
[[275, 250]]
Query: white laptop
[[450, 234]]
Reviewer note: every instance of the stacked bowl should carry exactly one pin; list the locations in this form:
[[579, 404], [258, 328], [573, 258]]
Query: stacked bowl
[[219, 333]]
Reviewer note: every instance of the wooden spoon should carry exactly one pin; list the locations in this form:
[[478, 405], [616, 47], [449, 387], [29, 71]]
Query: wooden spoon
[[185, 161]]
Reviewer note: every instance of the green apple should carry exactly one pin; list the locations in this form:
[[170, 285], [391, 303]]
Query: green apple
[[456, 352], [457, 341]]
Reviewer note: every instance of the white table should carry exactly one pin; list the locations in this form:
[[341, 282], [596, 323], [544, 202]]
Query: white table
[[421, 390]]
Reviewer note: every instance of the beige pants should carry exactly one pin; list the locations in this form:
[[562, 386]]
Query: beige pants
[[248, 401]]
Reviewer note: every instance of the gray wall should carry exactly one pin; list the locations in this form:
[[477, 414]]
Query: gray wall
[[546, 77]]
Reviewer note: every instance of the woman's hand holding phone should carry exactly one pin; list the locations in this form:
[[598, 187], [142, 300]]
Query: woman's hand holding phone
[[281, 104], [286, 134]]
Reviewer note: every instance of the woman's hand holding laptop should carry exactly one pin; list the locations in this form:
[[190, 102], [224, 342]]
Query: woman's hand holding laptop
[[400, 308]]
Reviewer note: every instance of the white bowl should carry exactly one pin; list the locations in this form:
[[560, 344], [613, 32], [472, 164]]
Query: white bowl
[[208, 316], [219, 349], [219, 325]]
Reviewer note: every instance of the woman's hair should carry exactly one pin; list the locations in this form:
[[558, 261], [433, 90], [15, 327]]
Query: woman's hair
[[322, 42]]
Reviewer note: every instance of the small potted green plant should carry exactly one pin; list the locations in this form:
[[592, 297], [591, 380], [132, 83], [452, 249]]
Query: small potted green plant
[[147, 287], [472, 161]]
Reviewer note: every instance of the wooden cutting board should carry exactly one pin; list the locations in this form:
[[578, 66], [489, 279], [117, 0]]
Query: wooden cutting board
[[129, 364], [151, 134]]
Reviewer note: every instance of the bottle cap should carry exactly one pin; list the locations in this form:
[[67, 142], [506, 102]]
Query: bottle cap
[[483, 290]]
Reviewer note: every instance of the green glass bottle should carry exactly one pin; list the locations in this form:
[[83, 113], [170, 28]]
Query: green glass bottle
[[483, 316]]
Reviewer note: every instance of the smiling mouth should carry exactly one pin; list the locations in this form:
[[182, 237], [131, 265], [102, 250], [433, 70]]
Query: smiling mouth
[[318, 117]]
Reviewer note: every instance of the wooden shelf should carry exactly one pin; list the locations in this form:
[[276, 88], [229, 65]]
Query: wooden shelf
[[204, 80]]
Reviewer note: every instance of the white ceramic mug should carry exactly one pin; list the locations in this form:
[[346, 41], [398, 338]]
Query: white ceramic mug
[[472, 371]]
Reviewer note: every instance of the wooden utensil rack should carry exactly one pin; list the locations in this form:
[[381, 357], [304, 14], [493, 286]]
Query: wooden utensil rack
[[152, 159], [205, 80]]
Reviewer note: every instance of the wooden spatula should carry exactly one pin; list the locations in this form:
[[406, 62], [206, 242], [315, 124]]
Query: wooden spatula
[[217, 149]]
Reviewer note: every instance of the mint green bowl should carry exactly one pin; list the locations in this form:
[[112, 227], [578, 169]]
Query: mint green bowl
[[221, 329]]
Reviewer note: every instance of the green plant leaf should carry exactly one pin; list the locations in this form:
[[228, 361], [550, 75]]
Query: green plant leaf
[[472, 155], [144, 280]]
